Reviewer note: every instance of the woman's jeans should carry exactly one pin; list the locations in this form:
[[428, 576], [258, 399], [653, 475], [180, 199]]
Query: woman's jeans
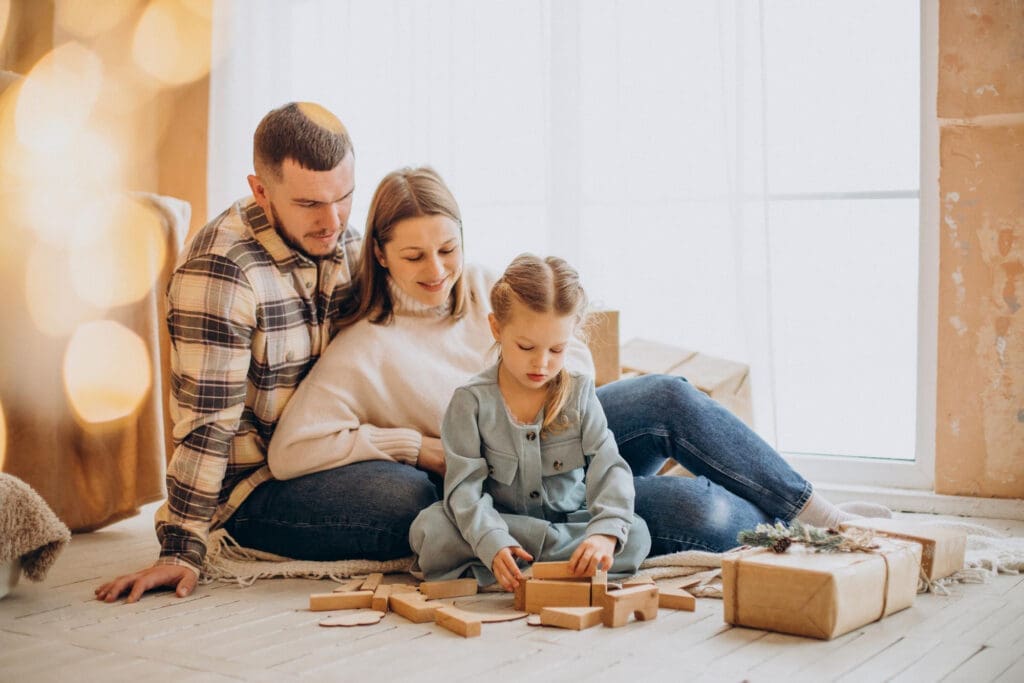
[[364, 510]]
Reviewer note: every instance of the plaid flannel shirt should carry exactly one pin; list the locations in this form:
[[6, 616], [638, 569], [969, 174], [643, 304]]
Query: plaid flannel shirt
[[248, 316]]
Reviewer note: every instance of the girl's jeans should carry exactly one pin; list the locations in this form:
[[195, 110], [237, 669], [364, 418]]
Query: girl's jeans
[[364, 510]]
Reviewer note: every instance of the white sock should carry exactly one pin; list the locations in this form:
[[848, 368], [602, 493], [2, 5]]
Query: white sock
[[820, 512], [862, 509]]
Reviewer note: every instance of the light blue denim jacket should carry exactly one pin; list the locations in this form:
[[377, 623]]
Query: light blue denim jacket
[[497, 465]]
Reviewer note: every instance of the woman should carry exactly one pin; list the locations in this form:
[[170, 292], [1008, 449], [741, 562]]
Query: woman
[[368, 415]]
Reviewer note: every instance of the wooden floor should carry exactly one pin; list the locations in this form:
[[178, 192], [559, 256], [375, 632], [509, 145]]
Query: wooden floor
[[56, 631]]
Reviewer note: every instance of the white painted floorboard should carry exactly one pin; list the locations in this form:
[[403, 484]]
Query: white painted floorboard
[[55, 631]]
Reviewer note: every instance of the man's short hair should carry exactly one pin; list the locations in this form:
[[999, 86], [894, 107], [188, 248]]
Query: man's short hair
[[302, 131]]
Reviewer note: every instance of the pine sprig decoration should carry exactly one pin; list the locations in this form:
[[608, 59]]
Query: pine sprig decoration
[[779, 536]]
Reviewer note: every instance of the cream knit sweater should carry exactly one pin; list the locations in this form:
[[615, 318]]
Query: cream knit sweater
[[378, 388]]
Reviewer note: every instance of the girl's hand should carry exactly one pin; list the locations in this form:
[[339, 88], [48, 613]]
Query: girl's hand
[[505, 569], [592, 554]]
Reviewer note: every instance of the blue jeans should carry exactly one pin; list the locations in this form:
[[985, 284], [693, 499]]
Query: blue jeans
[[365, 510]]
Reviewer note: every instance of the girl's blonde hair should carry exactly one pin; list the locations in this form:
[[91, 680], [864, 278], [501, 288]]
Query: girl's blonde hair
[[548, 285], [405, 193]]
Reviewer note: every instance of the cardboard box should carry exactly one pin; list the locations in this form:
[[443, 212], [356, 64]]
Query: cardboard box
[[820, 595], [726, 381], [942, 550]]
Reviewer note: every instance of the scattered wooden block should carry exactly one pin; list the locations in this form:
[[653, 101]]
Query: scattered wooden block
[[413, 607], [676, 598], [576, 618], [349, 586], [380, 598], [360, 617], [372, 581], [458, 621], [641, 601], [598, 588], [321, 602], [543, 593], [644, 580], [448, 589], [556, 570], [519, 599]]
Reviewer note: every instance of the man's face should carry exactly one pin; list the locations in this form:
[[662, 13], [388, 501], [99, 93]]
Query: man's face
[[309, 209]]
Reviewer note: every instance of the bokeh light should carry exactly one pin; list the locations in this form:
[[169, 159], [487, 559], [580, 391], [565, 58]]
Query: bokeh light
[[57, 97], [172, 41], [107, 371], [123, 266], [89, 18], [49, 293]]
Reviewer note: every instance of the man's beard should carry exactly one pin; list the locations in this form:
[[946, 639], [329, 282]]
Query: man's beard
[[279, 227]]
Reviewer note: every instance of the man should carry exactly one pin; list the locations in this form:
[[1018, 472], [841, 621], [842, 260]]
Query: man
[[250, 308]]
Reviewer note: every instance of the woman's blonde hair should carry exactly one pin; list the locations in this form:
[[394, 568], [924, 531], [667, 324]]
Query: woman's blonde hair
[[405, 193], [548, 285]]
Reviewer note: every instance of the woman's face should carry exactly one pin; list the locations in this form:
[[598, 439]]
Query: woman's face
[[424, 257]]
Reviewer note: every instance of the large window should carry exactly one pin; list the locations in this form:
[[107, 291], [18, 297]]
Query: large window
[[736, 177]]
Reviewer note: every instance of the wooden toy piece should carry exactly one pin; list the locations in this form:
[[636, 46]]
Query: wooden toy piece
[[676, 598], [519, 601], [359, 617], [397, 588], [556, 570], [641, 601], [458, 621], [349, 586], [448, 589], [642, 580], [321, 602], [372, 581], [543, 593], [576, 618], [598, 588], [380, 598], [413, 607]]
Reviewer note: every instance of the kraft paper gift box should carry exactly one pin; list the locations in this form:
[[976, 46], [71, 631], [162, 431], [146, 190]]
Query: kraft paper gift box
[[942, 550], [821, 595]]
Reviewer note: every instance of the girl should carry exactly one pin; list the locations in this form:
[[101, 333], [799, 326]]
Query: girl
[[532, 470]]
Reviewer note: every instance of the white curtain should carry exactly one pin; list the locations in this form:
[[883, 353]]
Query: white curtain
[[645, 141]]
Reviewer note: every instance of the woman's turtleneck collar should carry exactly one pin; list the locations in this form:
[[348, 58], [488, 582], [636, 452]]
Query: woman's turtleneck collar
[[403, 304]]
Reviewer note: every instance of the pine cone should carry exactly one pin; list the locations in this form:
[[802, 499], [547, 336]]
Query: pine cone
[[780, 545]]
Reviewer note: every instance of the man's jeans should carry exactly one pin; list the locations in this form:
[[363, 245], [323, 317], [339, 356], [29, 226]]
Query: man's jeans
[[364, 510]]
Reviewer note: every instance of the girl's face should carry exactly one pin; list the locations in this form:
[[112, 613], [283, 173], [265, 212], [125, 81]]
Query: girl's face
[[533, 345], [424, 257]]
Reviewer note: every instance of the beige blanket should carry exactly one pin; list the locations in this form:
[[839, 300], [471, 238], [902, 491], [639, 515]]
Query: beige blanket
[[29, 530]]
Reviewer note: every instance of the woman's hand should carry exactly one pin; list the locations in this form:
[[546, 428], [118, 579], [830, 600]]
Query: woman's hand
[[182, 579], [431, 457], [505, 569], [594, 553]]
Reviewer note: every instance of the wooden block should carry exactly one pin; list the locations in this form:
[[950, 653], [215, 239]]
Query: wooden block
[[644, 580], [349, 586], [556, 570], [641, 601], [543, 593], [321, 602], [598, 588], [372, 581], [448, 589], [576, 618], [380, 598], [676, 598], [519, 601], [413, 607], [458, 621]]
